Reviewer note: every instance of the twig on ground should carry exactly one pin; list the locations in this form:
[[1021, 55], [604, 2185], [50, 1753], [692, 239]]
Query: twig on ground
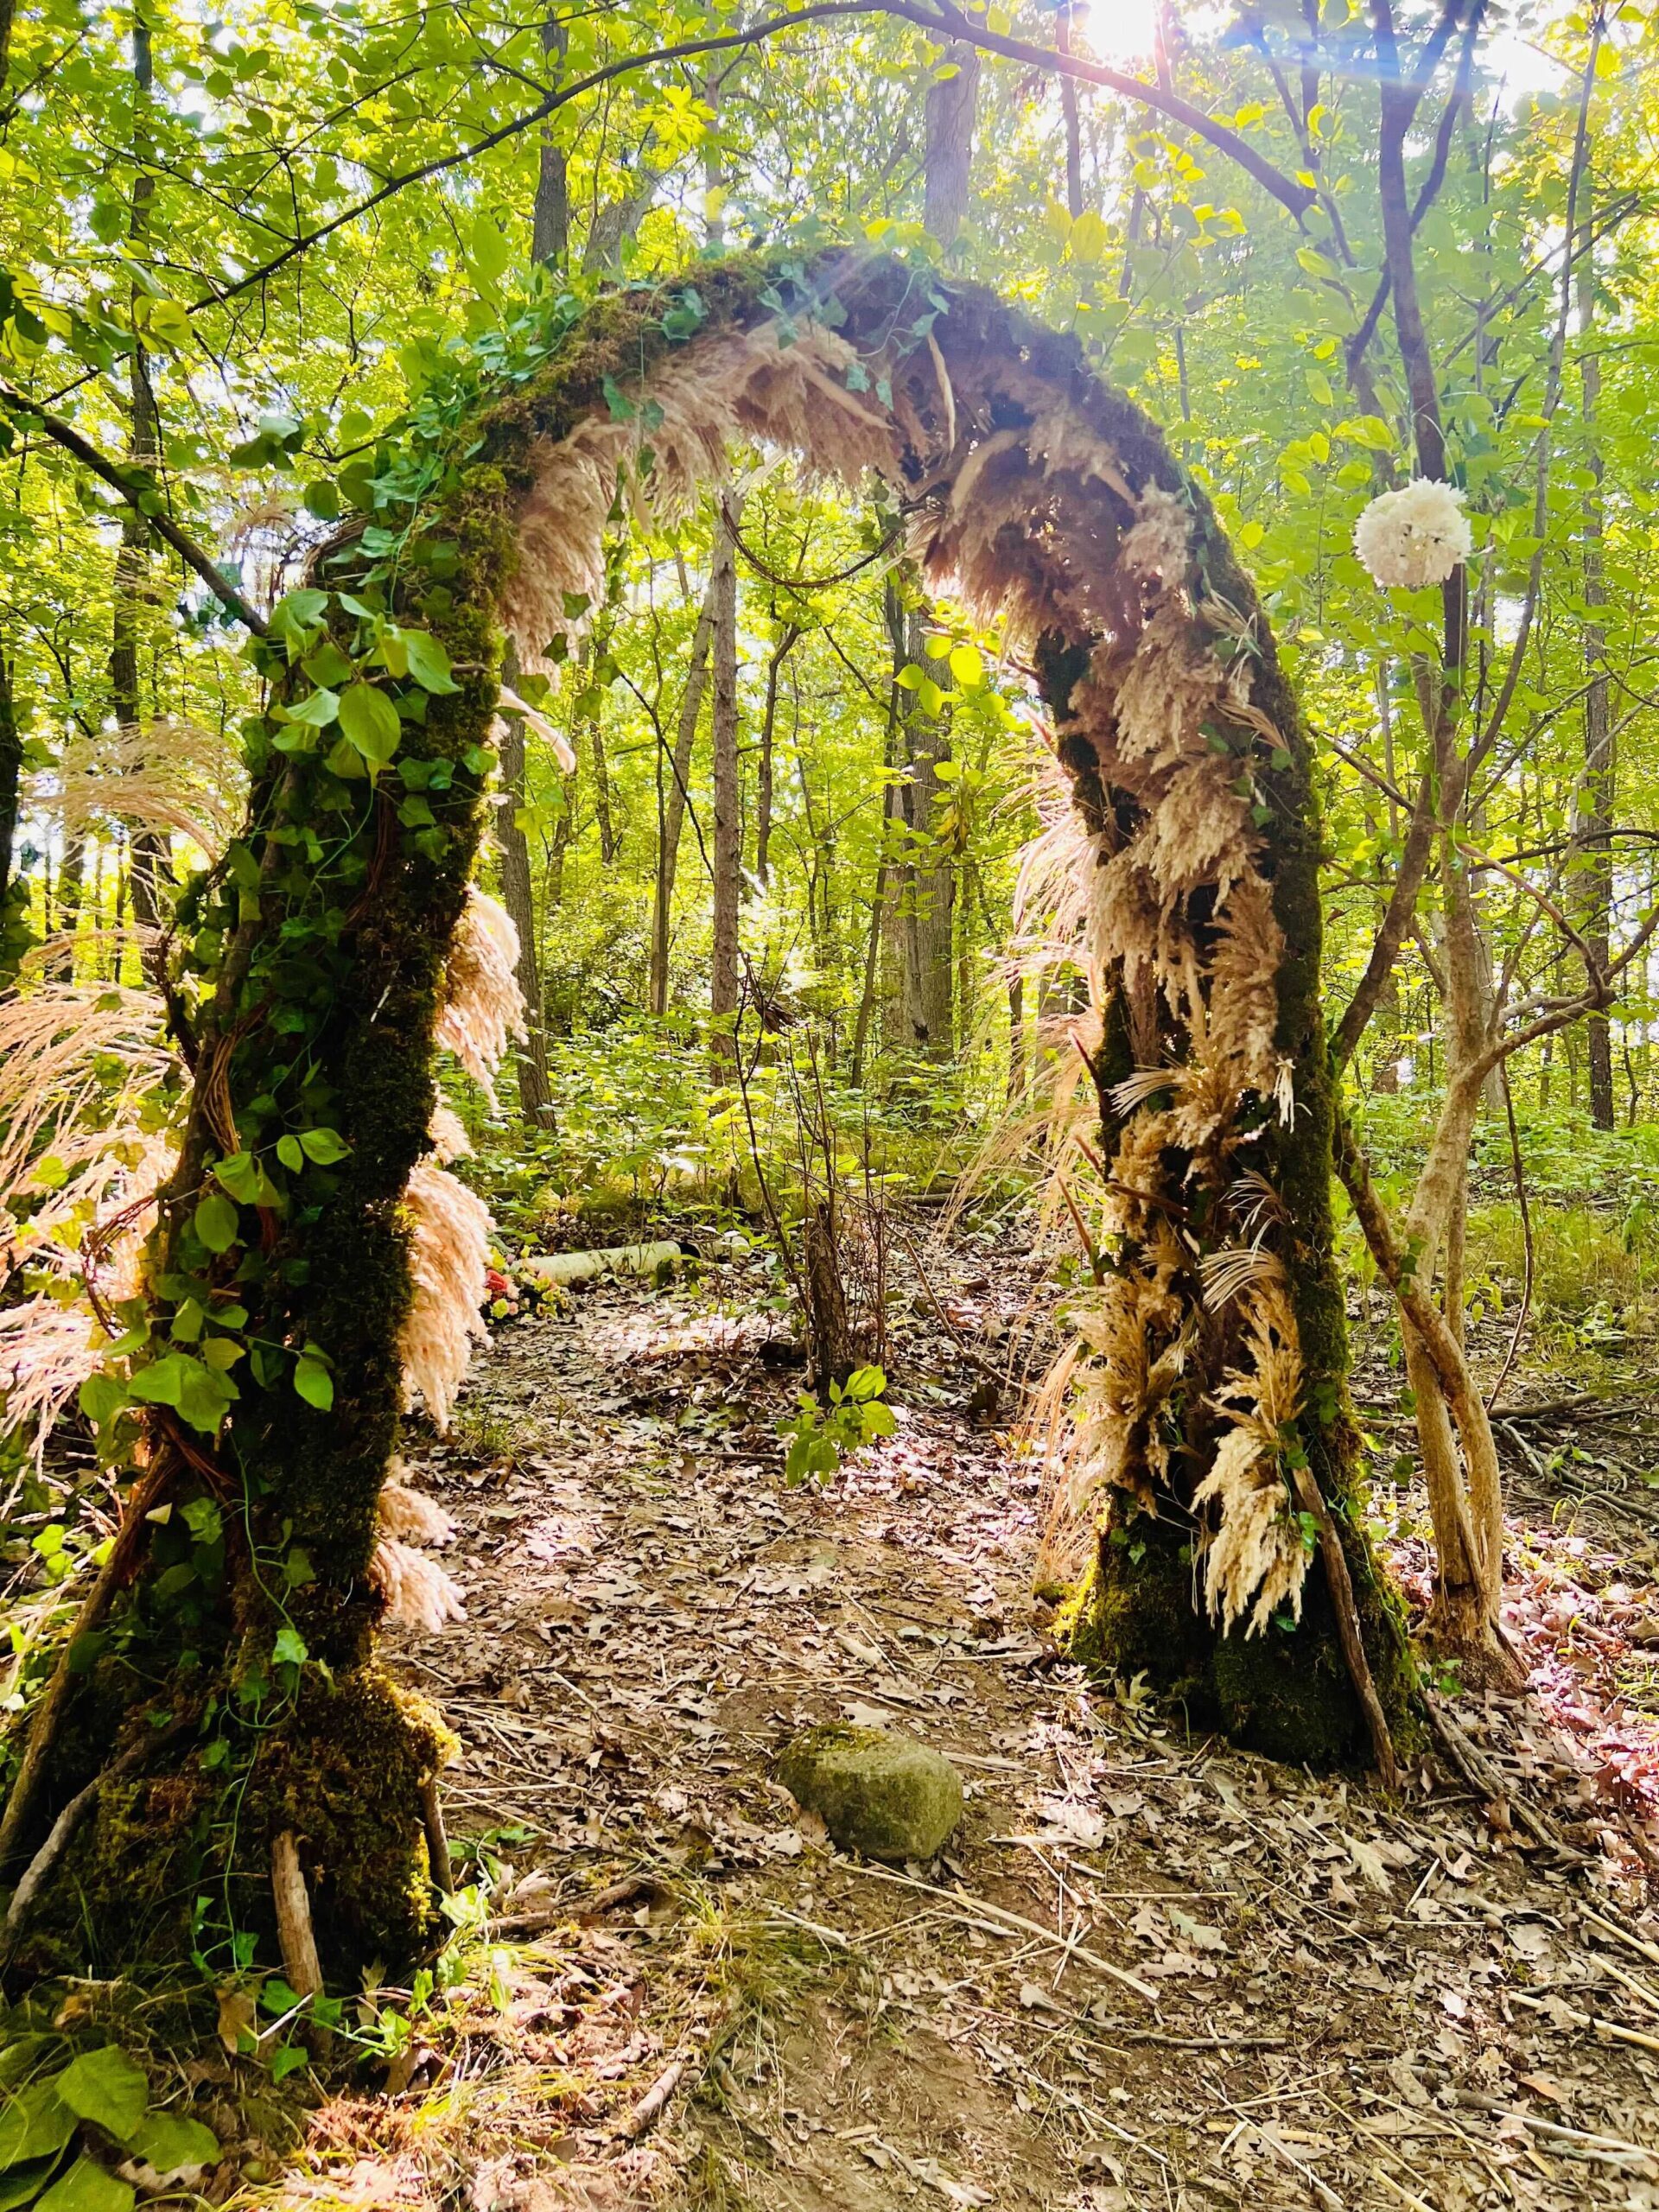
[[1611, 2028], [1016, 1920], [650, 2108], [437, 1839]]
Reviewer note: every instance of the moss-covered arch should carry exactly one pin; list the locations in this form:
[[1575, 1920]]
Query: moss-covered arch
[[1208, 1397]]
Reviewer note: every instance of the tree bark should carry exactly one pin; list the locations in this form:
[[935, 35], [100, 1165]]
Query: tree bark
[[948, 155], [535, 1093], [728, 827], [1070, 116], [1595, 808], [763, 795], [550, 213], [671, 803], [11, 770], [929, 876], [151, 851]]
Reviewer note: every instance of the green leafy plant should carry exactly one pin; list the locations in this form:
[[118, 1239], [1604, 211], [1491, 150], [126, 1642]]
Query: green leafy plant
[[61, 2129], [821, 1439]]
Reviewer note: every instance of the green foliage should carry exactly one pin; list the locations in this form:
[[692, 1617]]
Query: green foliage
[[100, 2098], [821, 1438]]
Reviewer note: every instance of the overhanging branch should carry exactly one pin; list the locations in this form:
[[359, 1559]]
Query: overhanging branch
[[109, 472]]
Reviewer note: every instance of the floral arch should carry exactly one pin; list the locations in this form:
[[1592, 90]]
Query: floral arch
[[1208, 1376]]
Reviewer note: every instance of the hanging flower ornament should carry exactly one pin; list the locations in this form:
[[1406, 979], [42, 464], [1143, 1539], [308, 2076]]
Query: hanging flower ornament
[[1414, 537]]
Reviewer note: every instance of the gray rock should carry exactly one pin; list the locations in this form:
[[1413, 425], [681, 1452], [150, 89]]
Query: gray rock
[[877, 1793]]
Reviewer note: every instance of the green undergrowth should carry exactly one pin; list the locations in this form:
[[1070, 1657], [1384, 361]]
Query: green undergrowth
[[639, 1137]]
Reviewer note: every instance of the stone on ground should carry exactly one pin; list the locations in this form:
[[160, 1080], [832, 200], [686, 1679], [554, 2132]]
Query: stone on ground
[[877, 1792]]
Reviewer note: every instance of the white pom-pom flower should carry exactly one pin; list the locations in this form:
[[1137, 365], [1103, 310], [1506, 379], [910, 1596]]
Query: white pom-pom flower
[[1414, 537]]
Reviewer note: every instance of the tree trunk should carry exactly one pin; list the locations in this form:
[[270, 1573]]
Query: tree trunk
[[1017, 1076], [1595, 808], [151, 860], [728, 827], [948, 155], [609, 842], [535, 1093], [671, 799], [551, 214], [550, 240], [763, 795], [928, 901], [14, 891], [1070, 116]]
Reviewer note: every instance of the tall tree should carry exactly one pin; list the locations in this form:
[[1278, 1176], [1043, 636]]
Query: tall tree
[[151, 860], [1594, 809], [729, 825], [952, 105]]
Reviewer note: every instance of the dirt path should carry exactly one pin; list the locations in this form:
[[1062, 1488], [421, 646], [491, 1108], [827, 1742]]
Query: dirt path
[[695, 2003]]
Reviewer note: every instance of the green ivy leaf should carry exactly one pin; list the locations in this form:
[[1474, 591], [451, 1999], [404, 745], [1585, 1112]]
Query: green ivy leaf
[[314, 1383], [87, 2187], [173, 2145], [370, 720], [290, 1649], [429, 663], [107, 2088], [215, 1222], [325, 1147], [35, 2123], [100, 1398], [315, 711], [287, 1151]]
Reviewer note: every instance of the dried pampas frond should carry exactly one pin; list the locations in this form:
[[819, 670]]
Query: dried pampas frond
[[483, 1005], [47, 1349], [410, 1515], [449, 1135], [551, 736], [168, 774], [75, 1060], [1258, 1552], [417, 1592], [1232, 1270], [448, 1261]]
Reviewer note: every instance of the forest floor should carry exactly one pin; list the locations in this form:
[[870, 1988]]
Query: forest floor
[[681, 1996]]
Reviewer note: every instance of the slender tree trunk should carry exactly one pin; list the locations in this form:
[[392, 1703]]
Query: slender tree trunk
[[763, 797], [152, 849], [1070, 115], [728, 829], [11, 769], [550, 216], [1017, 1076], [1595, 811], [535, 1094], [928, 905], [70, 895], [550, 240], [609, 839], [880, 895], [948, 160], [672, 802]]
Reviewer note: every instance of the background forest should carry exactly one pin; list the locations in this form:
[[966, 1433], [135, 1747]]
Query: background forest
[[781, 826]]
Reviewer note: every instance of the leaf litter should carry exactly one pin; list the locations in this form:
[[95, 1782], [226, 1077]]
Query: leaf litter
[[691, 2000]]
